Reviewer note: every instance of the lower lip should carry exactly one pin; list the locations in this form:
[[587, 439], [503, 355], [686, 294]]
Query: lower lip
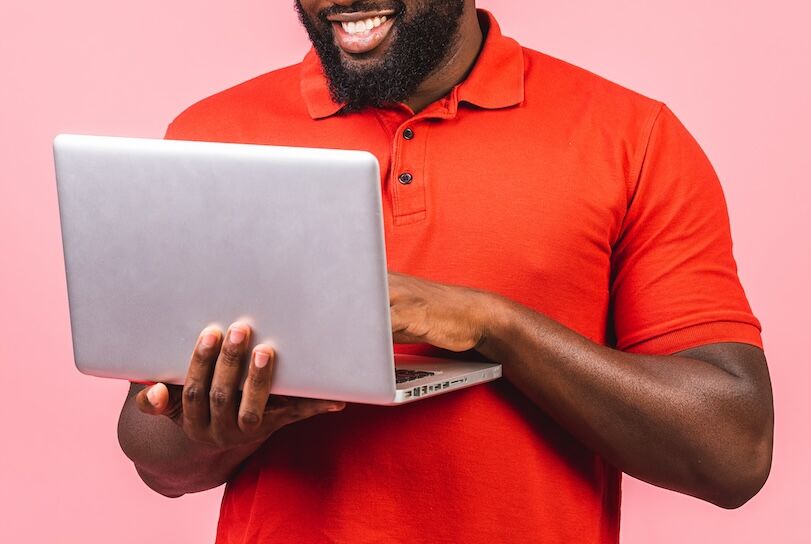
[[364, 42]]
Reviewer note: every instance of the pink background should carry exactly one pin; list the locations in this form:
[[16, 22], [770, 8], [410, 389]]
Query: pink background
[[737, 73]]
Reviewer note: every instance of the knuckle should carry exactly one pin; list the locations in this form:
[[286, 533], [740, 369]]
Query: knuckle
[[257, 380], [193, 393], [231, 356], [249, 419], [219, 398]]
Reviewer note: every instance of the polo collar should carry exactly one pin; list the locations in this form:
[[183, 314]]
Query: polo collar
[[496, 80]]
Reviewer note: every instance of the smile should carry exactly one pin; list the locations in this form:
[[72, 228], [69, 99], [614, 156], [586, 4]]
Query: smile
[[361, 32], [362, 27]]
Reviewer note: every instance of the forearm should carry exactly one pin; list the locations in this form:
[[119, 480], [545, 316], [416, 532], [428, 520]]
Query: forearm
[[677, 422], [167, 460]]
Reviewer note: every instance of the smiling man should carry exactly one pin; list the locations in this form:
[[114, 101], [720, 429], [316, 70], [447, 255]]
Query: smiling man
[[378, 56], [536, 215]]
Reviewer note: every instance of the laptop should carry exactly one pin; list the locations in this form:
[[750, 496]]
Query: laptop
[[162, 238]]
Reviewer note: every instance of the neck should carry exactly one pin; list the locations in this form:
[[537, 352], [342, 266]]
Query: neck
[[455, 68]]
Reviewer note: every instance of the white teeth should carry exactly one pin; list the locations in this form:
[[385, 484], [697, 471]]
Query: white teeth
[[358, 27]]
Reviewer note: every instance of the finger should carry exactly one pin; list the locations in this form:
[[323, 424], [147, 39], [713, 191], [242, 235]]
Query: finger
[[198, 380], [256, 390], [153, 400], [400, 327], [297, 409], [227, 374]]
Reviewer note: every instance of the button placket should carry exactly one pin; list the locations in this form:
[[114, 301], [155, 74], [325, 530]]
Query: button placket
[[408, 188]]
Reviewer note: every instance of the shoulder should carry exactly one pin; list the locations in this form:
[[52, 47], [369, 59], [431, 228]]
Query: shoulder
[[592, 112], [261, 103], [575, 91]]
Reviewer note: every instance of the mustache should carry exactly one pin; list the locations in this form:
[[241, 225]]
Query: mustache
[[364, 5]]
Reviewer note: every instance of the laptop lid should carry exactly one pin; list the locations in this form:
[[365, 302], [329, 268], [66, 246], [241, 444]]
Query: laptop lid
[[164, 237]]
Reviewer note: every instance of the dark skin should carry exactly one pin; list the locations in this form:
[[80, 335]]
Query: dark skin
[[209, 427], [699, 422]]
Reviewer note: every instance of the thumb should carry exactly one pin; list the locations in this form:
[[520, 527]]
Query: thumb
[[153, 400]]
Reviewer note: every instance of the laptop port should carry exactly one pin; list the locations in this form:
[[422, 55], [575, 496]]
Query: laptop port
[[445, 385]]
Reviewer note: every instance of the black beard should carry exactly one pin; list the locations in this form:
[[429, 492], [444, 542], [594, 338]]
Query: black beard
[[423, 40]]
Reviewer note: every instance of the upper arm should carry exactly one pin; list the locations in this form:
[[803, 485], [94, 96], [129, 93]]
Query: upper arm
[[674, 281]]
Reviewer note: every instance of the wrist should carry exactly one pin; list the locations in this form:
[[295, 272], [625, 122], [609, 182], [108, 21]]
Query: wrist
[[494, 318]]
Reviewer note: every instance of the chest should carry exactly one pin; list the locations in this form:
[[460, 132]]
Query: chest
[[495, 201]]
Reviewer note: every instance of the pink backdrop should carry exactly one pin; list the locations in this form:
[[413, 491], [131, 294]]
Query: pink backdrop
[[737, 73]]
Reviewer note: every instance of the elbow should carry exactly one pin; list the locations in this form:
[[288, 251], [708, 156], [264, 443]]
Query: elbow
[[740, 492], [743, 478], [157, 486], [737, 496], [744, 446]]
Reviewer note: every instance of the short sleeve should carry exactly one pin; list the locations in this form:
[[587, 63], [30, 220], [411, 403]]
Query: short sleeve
[[674, 280]]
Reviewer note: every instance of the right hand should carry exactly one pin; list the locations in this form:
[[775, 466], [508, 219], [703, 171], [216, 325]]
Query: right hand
[[209, 407]]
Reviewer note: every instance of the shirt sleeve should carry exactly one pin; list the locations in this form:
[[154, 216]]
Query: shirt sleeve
[[674, 280]]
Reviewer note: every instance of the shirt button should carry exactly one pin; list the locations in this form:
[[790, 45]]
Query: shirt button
[[408, 134], [405, 178]]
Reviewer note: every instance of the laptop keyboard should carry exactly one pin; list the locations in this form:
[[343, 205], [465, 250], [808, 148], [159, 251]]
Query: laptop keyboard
[[403, 375]]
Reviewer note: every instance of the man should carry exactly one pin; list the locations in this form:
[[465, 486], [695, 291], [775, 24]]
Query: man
[[535, 213]]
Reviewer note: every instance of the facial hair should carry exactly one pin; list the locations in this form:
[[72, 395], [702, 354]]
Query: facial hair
[[422, 41]]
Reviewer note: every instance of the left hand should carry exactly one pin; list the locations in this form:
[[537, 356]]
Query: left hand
[[445, 316]]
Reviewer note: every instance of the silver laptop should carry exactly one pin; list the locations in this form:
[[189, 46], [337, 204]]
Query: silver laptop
[[162, 238]]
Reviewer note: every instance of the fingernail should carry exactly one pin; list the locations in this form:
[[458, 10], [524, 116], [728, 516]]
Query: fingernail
[[260, 359], [152, 396], [237, 335], [209, 339], [336, 407]]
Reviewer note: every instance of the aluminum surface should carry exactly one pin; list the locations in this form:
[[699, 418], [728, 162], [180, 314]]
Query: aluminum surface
[[162, 238]]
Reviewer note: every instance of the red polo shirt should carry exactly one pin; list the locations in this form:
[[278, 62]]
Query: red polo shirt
[[534, 179]]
